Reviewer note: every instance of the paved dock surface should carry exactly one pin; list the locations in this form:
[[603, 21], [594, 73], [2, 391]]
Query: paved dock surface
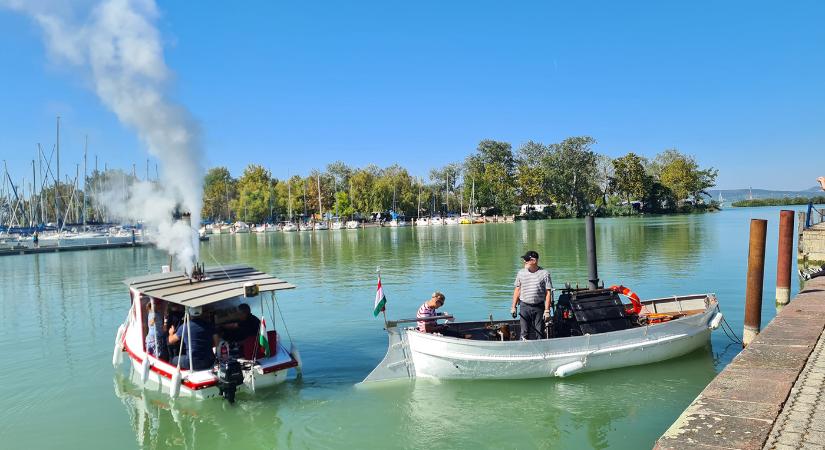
[[802, 421], [21, 250], [769, 395]]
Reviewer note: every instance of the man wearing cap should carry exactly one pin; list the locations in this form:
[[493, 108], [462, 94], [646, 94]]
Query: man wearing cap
[[203, 337], [534, 290]]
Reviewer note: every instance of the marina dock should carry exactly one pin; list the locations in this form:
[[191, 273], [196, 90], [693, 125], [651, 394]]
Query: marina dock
[[24, 250], [769, 396]]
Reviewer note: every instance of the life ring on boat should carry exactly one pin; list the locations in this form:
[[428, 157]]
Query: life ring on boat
[[634, 299]]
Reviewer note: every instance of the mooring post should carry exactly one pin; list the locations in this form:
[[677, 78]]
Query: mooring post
[[590, 238], [756, 274], [783, 258]]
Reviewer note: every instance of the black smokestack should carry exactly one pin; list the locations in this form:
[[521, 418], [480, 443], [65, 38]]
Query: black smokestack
[[590, 237]]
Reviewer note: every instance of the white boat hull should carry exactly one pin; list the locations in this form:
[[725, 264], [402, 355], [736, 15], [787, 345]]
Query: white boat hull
[[415, 354]]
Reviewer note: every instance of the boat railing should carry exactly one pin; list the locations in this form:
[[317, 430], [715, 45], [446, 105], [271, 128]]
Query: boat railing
[[394, 323]]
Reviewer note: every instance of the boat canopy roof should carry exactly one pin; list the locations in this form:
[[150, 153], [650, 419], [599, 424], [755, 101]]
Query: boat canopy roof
[[218, 284]]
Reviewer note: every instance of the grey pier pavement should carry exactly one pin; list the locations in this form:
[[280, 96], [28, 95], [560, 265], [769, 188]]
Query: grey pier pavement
[[772, 395]]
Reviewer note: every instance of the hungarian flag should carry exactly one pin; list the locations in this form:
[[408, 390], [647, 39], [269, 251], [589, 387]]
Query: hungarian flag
[[380, 299], [262, 341]]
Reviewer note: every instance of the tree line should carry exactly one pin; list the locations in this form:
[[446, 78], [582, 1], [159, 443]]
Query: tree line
[[817, 200], [569, 177]]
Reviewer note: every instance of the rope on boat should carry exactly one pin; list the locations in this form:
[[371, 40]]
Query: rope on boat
[[727, 329]]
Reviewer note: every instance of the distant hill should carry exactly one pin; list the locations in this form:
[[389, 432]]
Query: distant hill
[[733, 195]]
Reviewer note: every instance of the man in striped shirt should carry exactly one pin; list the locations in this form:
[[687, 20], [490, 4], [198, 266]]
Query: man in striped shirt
[[534, 291]]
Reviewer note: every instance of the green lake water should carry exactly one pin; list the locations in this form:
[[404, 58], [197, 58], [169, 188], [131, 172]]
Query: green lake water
[[60, 313]]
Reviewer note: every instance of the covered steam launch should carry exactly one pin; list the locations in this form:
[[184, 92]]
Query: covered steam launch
[[591, 329], [255, 362]]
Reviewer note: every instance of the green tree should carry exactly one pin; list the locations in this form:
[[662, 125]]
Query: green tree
[[343, 207], [340, 174], [219, 188], [630, 180], [531, 177], [254, 194], [445, 182], [573, 174], [490, 172], [363, 196], [681, 174]]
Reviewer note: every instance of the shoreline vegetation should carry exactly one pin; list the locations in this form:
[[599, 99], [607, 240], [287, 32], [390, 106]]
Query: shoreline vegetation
[[561, 180], [818, 200]]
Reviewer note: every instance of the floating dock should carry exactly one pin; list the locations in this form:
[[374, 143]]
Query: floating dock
[[771, 394], [23, 250]]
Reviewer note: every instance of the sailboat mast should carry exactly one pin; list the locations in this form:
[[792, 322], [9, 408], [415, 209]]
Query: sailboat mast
[[85, 177], [472, 198], [57, 180], [320, 207], [32, 204], [418, 216], [289, 196]]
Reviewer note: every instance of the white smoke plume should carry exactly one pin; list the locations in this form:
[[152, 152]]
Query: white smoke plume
[[116, 44]]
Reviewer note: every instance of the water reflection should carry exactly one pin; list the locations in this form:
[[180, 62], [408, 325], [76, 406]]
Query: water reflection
[[159, 422]]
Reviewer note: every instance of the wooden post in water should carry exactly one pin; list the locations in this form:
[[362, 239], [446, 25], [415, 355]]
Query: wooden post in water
[[783, 258], [756, 274]]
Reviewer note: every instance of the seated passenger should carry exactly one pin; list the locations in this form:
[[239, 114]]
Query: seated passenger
[[156, 334], [203, 338], [174, 319], [247, 325], [428, 309]]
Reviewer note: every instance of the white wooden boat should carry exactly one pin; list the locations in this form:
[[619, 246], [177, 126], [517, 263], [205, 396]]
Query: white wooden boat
[[321, 226], [289, 227], [270, 228], [337, 225], [352, 225], [259, 228], [436, 221], [305, 226], [422, 222], [217, 292], [487, 355]]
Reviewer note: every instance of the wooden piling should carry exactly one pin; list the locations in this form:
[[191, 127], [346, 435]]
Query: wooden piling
[[783, 258], [756, 275]]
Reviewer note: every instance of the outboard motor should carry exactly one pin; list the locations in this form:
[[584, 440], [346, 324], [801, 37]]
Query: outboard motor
[[230, 376]]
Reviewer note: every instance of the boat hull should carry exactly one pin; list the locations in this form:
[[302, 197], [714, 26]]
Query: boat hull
[[415, 354]]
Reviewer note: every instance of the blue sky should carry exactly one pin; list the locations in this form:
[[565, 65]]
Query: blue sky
[[294, 86]]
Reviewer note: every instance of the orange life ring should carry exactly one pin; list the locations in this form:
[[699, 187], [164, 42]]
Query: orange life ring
[[634, 299]]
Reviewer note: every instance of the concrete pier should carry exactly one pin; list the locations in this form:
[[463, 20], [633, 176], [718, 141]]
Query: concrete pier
[[769, 395], [21, 250]]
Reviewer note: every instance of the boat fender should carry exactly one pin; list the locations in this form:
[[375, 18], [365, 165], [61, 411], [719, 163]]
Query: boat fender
[[117, 354], [174, 389], [568, 369], [144, 369], [299, 369], [634, 299], [716, 321]]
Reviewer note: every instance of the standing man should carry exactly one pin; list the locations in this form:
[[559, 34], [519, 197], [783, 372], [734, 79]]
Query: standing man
[[534, 290]]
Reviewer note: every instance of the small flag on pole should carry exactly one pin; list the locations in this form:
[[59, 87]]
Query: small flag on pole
[[380, 299], [262, 340]]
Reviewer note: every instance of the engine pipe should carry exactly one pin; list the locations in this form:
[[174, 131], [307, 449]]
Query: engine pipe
[[590, 238]]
